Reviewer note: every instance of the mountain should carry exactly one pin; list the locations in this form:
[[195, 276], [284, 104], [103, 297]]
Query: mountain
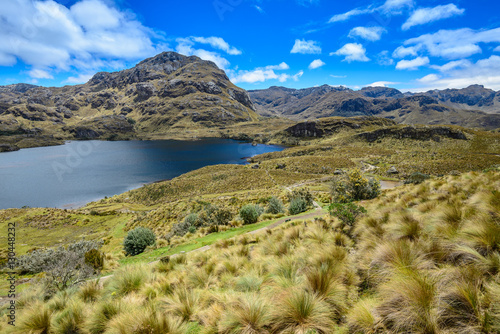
[[327, 101], [166, 93], [474, 97]]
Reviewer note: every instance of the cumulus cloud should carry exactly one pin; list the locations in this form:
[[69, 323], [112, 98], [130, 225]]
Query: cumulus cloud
[[384, 59], [217, 43], [352, 52], [390, 7], [402, 52], [50, 37], [368, 33], [412, 64], [306, 47], [454, 44], [262, 74], [427, 15], [485, 71], [82, 78], [497, 49], [316, 64]]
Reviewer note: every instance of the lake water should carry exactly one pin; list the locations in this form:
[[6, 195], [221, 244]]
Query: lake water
[[79, 172]]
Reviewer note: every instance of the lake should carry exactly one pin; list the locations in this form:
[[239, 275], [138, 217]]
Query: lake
[[79, 172]]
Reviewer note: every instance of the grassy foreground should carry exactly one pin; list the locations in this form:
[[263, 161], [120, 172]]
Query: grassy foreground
[[424, 259]]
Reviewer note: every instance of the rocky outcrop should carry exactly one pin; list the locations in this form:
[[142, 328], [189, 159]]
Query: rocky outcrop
[[413, 132], [327, 126]]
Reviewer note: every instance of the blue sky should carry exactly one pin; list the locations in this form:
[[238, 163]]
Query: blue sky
[[407, 44]]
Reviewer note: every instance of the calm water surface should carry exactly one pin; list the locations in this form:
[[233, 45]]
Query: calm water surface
[[78, 172]]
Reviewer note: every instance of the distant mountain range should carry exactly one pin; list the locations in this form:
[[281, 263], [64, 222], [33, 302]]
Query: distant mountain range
[[474, 106], [175, 94]]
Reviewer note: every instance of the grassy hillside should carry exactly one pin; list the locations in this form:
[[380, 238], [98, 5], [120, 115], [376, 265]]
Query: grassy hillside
[[424, 259]]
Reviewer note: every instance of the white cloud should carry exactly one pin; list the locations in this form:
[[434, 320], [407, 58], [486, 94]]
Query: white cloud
[[390, 7], [485, 72], [452, 65], [262, 74], [50, 37], [217, 43], [382, 83], [352, 52], [384, 59], [259, 9], [316, 64], [297, 76], [306, 47], [40, 74], [412, 64], [185, 47], [429, 78], [402, 52], [454, 44], [338, 76], [368, 33], [82, 78], [427, 15], [282, 66], [497, 49], [347, 15]]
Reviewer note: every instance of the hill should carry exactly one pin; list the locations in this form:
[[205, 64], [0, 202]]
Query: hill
[[427, 108], [166, 94]]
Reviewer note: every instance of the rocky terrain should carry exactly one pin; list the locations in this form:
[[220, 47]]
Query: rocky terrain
[[471, 107], [166, 93]]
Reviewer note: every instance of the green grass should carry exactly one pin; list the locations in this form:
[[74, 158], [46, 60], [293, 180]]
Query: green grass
[[201, 242]]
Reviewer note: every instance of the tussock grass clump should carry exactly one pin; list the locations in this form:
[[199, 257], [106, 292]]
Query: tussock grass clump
[[249, 314], [35, 319], [129, 279], [302, 312]]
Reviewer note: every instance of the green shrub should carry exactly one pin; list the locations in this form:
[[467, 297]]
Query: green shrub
[[275, 206], [250, 213], [137, 240], [94, 258], [417, 178], [297, 205], [347, 213], [354, 187], [303, 193]]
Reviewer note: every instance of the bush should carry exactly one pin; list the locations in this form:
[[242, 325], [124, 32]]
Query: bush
[[275, 206], [354, 187], [250, 213], [347, 213], [94, 258], [303, 193], [416, 178], [297, 205], [137, 240]]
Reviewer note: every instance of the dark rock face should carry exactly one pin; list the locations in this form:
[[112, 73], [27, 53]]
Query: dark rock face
[[326, 126], [473, 96], [418, 133], [381, 92]]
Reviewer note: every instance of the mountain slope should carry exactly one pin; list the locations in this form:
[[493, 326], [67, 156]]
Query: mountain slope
[[327, 101], [166, 93]]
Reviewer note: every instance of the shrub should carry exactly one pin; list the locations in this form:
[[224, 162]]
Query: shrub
[[417, 178], [275, 206], [354, 187], [250, 213], [347, 213], [63, 266], [94, 258], [297, 205], [137, 240], [303, 193]]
